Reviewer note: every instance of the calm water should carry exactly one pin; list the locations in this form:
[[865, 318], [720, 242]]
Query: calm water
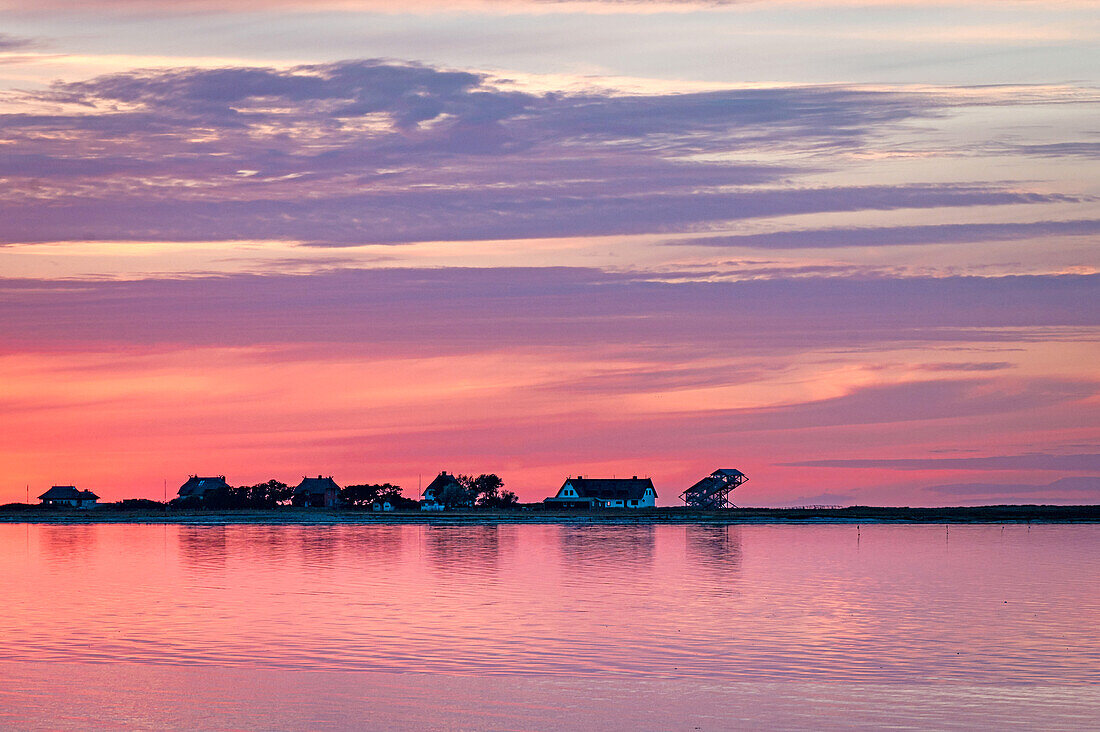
[[537, 627]]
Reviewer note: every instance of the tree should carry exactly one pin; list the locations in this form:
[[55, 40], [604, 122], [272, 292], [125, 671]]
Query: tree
[[224, 498], [392, 493], [265, 495], [366, 494], [457, 495], [485, 491], [278, 492]]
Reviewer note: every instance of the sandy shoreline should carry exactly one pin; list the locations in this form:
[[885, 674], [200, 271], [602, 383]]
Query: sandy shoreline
[[303, 516]]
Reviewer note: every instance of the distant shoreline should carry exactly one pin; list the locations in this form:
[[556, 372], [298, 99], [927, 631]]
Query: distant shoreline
[[337, 517]]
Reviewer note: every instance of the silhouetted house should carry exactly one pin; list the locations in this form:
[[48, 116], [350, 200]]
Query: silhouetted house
[[382, 505], [67, 495], [604, 493], [443, 492], [316, 493], [197, 486]]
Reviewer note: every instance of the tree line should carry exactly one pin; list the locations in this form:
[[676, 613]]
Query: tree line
[[483, 491]]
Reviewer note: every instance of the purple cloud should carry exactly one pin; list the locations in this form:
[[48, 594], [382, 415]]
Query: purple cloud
[[9, 42], [1030, 461], [382, 152], [912, 402], [1089, 485], [438, 310], [455, 214], [968, 366], [898, 235], [1059, 150]]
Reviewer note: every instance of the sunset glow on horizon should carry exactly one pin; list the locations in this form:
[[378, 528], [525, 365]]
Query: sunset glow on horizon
[[850, 248]]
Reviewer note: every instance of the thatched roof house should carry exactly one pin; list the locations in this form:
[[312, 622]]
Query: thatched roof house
[[316, 492], [68, 495], [198, 486]]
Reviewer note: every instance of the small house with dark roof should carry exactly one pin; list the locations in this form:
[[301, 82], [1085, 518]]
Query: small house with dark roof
[[198, 486], [319, 492], [440, 493], [604, 493], [68, 495]]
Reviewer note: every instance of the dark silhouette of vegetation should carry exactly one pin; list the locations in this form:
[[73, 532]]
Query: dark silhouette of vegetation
[[260, 496], [456, 494], [132, 504], [266, 495], [14, 507], [393, 495], [484, 491], [363, 496]]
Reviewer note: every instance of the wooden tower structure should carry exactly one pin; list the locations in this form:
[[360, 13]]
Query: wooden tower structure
[[714, 490]]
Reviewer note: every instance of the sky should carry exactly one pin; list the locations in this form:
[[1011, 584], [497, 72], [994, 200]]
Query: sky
[[849, 247]]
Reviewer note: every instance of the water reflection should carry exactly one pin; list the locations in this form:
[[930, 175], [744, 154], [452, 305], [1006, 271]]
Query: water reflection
[[572, 601], [383, 545], [317, 546], [593, 547], [465, 549], [715, 549], [263, 544], [202, 547], [73, 543]]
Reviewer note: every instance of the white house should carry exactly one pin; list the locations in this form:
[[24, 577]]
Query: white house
[[67, 495], [605, 493], [435, 496]]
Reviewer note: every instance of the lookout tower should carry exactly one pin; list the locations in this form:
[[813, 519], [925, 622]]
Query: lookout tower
[[714, 490]]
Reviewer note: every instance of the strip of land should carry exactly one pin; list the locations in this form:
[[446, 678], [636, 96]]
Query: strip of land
[[19, 513]]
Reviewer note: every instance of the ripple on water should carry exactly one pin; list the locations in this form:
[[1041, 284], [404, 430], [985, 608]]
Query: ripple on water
[[751, 603]]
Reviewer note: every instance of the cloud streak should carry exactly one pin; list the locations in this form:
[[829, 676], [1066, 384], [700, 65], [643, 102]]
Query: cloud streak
[[898, 235], [383, 152], [9, 42], [1087, 485], [154, 8], [1032, 461], [488, 308]]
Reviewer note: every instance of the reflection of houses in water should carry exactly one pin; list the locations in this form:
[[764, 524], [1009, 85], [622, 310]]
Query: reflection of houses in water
[[604, 493], [68, 496]]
